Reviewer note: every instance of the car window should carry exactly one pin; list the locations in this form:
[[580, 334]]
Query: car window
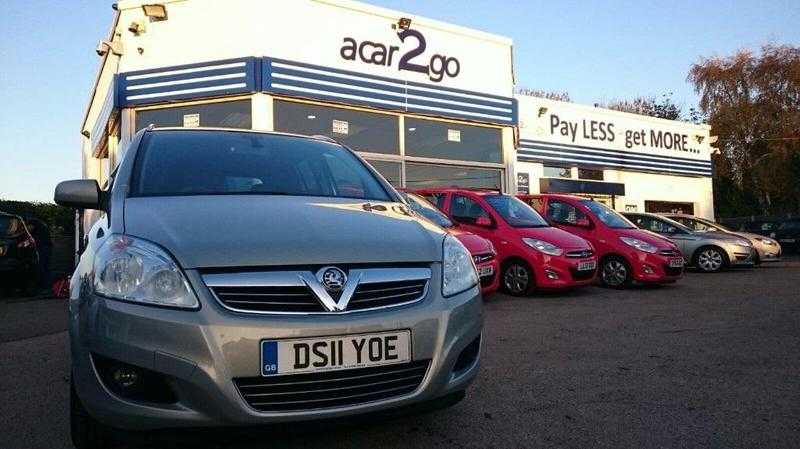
[[515, 212], [466, 210], [536, 203], [608, 216], [564, 213], [10, 226], [657, 225], [421, 206], [237, 163], [437, 199]]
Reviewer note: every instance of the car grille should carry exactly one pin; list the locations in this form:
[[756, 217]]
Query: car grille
[[384, 294], [670, 252], [580, 253], [299, 392], [300, 291], [480, 258], [269, 299]]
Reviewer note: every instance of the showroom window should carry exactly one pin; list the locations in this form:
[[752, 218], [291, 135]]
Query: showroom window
[[227, 114], [389, 170], [363, 131], [590, 174], [429, 175], [557, 171], [454, 141]]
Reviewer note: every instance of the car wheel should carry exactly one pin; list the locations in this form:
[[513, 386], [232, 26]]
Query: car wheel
[[709, 259], [615, 273], [517, 278], [86, 432]]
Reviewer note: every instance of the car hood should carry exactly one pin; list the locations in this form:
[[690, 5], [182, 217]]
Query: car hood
[[555, 236], [242, 231], [659, 241], [473, 242]]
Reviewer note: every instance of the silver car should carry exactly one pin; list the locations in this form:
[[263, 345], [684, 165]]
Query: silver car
[[767, 249], [708, 252], [240, 277]]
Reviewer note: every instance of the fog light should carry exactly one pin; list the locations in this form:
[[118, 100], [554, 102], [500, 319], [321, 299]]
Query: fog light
[[551, 274], [126, 377], [647, 269]]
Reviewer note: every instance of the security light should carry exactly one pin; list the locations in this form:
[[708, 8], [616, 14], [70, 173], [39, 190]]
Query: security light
[[404, 23], [155, 12], [104, 46]]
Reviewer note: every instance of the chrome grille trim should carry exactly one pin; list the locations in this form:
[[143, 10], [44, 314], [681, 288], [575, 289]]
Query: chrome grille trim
[[580, 253], [301, 284]]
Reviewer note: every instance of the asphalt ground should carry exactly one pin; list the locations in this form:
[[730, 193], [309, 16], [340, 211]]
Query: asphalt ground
[[712, 361]]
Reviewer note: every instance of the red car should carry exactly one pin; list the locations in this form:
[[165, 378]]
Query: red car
[[532, 254], [626, 254], [482, 251]]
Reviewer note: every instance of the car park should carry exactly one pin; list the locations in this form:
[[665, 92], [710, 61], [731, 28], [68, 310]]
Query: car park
[[708, 252], [626, 254], [483, 253], [767, 249], [532, 254], [243, 277], [18, 256]]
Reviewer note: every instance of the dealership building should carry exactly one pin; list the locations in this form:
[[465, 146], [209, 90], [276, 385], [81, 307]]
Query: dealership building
[[425, 102]]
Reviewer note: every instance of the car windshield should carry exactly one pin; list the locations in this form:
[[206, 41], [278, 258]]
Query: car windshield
[[427, 210], [608, 216], [171, 163], [515, 212], [10, 226]]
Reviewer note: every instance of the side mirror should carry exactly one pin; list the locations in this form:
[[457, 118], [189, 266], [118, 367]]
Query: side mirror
[[486, 222], [78, 194], [583, 222]]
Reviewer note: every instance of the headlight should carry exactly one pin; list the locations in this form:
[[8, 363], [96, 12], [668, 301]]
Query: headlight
[[542, 246], [638, 244], [767, 242], [135, 270], [458, 270]]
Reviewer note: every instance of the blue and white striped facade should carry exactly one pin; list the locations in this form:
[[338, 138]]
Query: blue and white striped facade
[[606, 158], [296, 79]]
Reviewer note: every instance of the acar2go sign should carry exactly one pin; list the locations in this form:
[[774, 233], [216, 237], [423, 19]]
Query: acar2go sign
[[437, 67]]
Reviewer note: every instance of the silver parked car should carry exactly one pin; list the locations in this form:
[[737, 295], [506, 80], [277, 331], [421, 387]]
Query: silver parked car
[[708, 252], [240, 277], [767, 249]]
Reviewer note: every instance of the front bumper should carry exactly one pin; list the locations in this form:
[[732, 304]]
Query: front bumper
[[651, 268], [490, 284], [559, 272], [201, 352], [740, 256], [768, 253]]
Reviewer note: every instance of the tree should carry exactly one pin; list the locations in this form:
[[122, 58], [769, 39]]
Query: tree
[[649, 106], [752, 102], [552, 95]]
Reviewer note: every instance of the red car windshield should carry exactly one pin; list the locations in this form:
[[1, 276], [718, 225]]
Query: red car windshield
[[515, 212]]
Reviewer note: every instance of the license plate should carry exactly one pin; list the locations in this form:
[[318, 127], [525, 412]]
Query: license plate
[[485, 271], [676, 263], [587, 265], [334, 353]]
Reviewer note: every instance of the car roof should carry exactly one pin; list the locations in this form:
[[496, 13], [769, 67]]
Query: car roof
[[317, 137], [455, 189], [564, 196]]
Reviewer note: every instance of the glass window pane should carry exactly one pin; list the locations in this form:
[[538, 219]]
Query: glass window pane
[[361, 131], [389, 170], [466, 210], [588, 173], [230, 114], [442, 140], [556, 171], [427, 175], [564, 213]]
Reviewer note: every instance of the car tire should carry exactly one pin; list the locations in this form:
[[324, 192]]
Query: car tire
[[517, 278], [86, 432], [709, 259], [615, 272]]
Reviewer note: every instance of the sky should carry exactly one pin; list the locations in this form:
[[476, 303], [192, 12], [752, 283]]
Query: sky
[[596, 51]]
